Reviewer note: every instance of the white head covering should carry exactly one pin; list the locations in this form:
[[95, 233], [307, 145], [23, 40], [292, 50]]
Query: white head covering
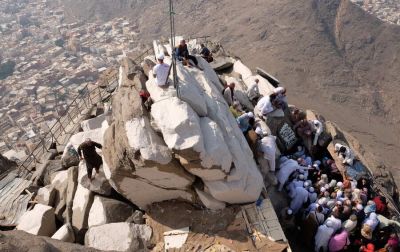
[[301, 177], [359, 207], [259, 131], [329, 223], [339, 184], [311, 189], [250, 114], [160, 56], [289, 211], [323, 189], [306, 184]]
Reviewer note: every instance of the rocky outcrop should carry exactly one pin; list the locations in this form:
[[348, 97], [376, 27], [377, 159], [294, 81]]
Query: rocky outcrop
[[38, 221], [22, 241], [119, 237], [152, 156], [46, 195], [6, 164], [105, 210], [65, 234]]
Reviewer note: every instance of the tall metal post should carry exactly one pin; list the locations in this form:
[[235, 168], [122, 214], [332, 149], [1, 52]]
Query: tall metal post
[[172, 25]]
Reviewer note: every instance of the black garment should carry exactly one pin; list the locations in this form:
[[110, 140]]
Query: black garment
[[93, 160], [182, 52], [205, 52]]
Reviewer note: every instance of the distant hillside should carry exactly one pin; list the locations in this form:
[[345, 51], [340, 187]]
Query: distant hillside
[[331, 55]]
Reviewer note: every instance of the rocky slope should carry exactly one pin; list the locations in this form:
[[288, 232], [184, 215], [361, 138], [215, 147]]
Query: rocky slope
[[5, 164], [332, 55]]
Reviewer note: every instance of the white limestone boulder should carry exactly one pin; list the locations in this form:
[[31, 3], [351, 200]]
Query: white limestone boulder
[[95, 135], [81, 205], [46, 195], [248, 78], [123, 236], [60, 184], [209, 201], [105, 210], [38, 221], [94, 123], [65, 233], [69, 157], [99, 183], [179, 125]]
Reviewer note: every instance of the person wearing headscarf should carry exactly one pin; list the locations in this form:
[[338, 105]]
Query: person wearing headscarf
[[372, 221], [336, 223], [286, 168], [312, 195], [339, 241], [244, 121], [359, 212], [370, 207], [323, 236], [311, 224], [287, 220], [392, 244], [381, 205], [350, 224], [300, 197], [366, 234], [370, 247]]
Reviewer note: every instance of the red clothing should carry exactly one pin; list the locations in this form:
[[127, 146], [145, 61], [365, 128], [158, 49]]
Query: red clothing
[[369, 248], [380, 205]]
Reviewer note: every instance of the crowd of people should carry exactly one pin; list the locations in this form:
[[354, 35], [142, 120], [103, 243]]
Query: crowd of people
[[328, 211]]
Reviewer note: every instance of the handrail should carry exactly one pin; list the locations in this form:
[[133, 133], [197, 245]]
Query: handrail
[[88, 98]]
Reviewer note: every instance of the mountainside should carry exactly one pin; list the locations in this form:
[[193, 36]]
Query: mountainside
[[331, 55], [5, 164]]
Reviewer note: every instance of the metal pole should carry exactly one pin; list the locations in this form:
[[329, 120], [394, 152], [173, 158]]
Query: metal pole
[[171, 19]]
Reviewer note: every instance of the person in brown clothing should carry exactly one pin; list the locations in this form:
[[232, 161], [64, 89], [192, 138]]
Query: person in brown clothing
[[87, 151]]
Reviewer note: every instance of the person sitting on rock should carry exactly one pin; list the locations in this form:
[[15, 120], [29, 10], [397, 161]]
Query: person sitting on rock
[[161, 72], [236, 109], [265, 105], [244, 121], [345, 153], [182, 53], [206, 54], [87, 151], [229, 94], [253, 92]]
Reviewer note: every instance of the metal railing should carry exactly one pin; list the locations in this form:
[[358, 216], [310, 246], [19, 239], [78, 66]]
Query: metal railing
[[67, 124]]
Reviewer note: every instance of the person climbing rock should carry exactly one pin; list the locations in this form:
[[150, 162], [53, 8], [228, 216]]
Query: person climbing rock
[[206, 54], [229, 94], [87, 151], [253, 92]]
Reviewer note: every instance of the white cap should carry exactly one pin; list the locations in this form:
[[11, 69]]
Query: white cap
[[323, 189], [160, 56], [306, 184], [339, 184], [289, 211], [311, 189], [329, 223], [301, 177], [359, 207], [259, 131], [250, 114]]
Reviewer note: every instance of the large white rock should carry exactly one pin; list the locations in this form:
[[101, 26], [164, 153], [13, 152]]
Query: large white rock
[[38, 221], [248, 78], [80, 208], [209, 201], [95, 135], [240, 92], [46, 195], [60, 184], [105, 210], [119, 237], [142, 192], [179, 125], [65, 233], [99, 184], [94, 123]]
